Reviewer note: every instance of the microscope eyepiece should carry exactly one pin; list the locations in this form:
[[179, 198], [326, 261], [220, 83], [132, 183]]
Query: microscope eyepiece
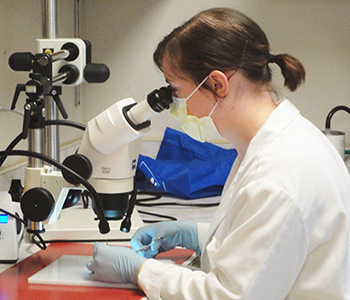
[[161, 99]]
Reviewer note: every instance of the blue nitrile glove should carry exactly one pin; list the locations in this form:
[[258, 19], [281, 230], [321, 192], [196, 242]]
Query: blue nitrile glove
[[115, 264], [164, 236]]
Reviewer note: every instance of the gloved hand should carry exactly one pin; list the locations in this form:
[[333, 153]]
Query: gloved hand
[[115, 264], [164, 236]]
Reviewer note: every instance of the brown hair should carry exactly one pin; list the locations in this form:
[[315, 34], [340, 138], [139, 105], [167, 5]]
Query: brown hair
[[224, 39]]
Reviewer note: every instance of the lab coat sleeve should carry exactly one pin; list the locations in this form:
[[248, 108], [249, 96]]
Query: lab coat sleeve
[[256, 253], [202, 231]]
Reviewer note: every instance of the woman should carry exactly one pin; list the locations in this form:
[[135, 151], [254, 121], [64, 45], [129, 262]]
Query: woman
[[282, 228]]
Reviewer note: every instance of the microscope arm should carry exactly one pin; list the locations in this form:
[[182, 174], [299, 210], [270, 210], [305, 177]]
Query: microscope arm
[[111, 133]]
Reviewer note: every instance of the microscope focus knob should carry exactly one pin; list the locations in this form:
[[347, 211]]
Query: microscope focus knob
[[37, 204], [21, 61], [80, 164], [96, 73]]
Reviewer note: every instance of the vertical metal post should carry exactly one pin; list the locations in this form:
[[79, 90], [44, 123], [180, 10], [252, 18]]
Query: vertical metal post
[[77, 35], [35, 143], [49, 19], [51, 133]]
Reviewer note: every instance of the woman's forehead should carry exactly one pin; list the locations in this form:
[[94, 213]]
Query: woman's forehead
[[173, 74]]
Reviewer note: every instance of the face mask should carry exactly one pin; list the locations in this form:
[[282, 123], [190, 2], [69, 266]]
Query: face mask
[[201, 129]]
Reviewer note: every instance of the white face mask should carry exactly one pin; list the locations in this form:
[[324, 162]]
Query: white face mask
[[201, 129]]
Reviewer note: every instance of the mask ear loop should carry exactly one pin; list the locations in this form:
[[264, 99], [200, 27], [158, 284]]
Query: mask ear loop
[[197, 88], [216, 104]]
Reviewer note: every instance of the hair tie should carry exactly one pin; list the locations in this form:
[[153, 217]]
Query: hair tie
[[272, 58]]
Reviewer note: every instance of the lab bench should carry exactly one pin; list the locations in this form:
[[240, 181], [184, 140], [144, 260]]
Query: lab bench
[[13, 277]]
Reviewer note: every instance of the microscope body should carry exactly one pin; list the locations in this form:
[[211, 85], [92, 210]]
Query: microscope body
[[112, 146], [112, 143]]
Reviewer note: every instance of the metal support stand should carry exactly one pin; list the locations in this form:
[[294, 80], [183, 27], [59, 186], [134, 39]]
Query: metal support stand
[[51, 133]]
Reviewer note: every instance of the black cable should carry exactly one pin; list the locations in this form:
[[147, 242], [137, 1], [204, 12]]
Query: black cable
[[152, 195], [12, 145], [85, 198], [65, 123], [156, 215], [139, 203], [156, 196], [19, 137], [41, 243], [126, 223]]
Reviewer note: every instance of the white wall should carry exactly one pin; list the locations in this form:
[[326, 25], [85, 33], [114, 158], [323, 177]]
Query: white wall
[[125, 33]]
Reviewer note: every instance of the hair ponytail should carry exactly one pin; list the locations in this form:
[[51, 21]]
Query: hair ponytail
[[292, 70]]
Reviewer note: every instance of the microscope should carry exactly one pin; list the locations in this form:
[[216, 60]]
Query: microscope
[[104, 165]]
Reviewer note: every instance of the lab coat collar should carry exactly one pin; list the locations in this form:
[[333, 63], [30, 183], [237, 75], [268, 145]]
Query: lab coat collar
[[280, 118]]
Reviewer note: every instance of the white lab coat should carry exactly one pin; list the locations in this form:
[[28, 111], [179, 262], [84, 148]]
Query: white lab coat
[[282, 230]]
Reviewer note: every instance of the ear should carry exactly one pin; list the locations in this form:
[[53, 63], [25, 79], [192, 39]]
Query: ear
[[218, 82]]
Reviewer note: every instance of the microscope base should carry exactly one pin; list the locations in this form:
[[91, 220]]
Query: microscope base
[[79, 225]]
